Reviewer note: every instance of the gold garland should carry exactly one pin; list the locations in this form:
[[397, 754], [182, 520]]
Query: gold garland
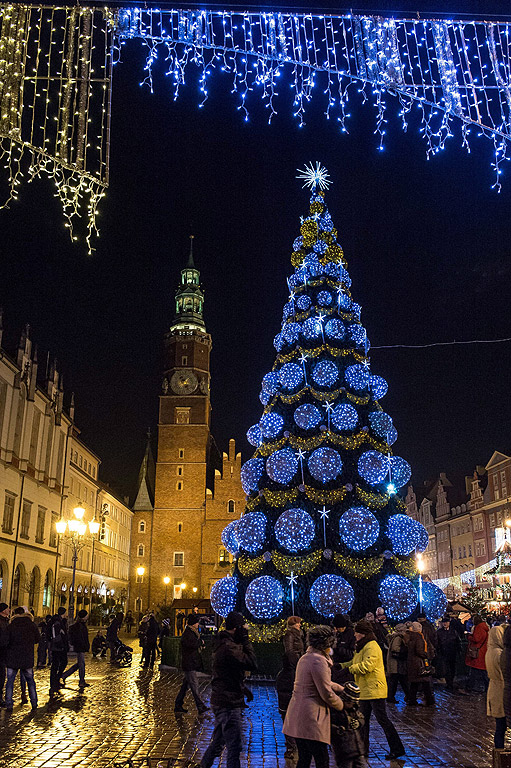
[[361, 569], [374, 500], [406, 568], [280, 498], [249, 566], [266, 633], [334, 351], [325, 497], [287, 564]]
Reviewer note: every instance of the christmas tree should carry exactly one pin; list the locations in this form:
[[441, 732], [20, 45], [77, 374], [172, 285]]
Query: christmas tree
[[324, 529]]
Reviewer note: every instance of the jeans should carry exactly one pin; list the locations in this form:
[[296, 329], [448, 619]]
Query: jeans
[[149, 654], [190, 681], [394, 679], [227, 732], [426, 689], [58, 665], [380, 712], [500, 732], [28, 674], [475, 675], [308, 749], [80, 666]]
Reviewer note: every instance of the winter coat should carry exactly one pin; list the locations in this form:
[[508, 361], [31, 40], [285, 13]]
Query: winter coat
[[478, 639], [22, 636], [113, 631], [449, 642], [368, 670], [344, 647], [397, 654], [429, 634], [152, 631], [230, 660], [79, 636], [347, 733], [59, 641], [308, 714], [417, 652], [293, 645], [4, 638], [507, 671], [190, 645], [494, 665]]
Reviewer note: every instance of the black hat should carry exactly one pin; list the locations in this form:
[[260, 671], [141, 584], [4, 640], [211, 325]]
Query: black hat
[[445, 618], [3, 606], [340, 620], [82, 614], [321, 637], [234, 620], [193, 618], [351, 691]]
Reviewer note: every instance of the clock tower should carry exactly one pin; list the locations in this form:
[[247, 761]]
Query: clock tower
[[184, 443]]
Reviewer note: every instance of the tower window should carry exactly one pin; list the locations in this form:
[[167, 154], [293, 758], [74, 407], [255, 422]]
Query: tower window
[[180, 527], [223, 556], [184, 346], [179, 559], [180, 470], [181, 453], [184, 360], [141, 526], [179, 485], [140, 550], [182, 415], [231, 507]]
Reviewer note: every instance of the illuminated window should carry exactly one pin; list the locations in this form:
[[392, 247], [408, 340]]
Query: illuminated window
[[223, 556]]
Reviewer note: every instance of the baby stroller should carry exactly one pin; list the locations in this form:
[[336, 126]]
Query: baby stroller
[[99, 645], [123, 654]]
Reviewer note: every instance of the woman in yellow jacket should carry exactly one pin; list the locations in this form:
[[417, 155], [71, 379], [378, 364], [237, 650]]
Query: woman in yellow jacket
[[368, 670]]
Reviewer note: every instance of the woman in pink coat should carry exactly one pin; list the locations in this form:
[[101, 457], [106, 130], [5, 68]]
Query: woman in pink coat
[[476, 652], [308, 715]]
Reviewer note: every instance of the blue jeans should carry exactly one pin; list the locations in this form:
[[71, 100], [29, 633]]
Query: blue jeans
[[28, 674], [190, 682], [227, 732], [80, 666]]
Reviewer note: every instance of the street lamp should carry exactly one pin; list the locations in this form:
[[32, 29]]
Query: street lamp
[[75, 529], [140, 573], [166, 581], [420, 567], [194, 590]]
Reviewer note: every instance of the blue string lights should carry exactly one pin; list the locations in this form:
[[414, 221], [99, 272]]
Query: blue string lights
[[291, 375], [250, 531], [229, 539], [271, 424], [434, 602], [264, 597], [406, 534], [331, 594], [400, 471], [344, 417], [325, 373], [398, 597], [251, 473], [357, 377], [223, 595], [294, 530], [373, 466], [359, 528], [325, 464], [282, 466], [307, 416], [378, 386]]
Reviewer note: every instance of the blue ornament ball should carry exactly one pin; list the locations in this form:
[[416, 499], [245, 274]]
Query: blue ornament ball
[[359, 528], [320, 247], [326, 223], [307, 416], [330, 594], [254, 435], [356, 309], [344, 277], [324, 298], [311, 328], [298, 243], [381, 423], [357, 376], [303, 303], [264, 397], [288, 310], [325, 464], [334, 328], [282, 465], [223, 595], [271, 424], [229, 539], [278, 342], [291, 375], [434, 602], [398, 597], [291, 332], [270, 383], [378, 386], [264, 597], [422, 537], [400, 470], [344, 416], [392, 435], [251, 473], [314, 268], [294, 530], [357, 333], [250, 531], [404, 533], [325, 373], [373, 466]]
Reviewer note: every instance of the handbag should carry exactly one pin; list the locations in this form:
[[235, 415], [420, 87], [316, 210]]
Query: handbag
[[425, 668], [472, 652]]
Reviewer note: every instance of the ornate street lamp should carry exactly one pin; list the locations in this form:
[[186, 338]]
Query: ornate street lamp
[[74, 529], [166, 581], [420, 567], [140, 573]]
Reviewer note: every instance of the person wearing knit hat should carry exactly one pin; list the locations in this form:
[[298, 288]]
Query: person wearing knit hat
[[4, 623], [368, 670], [191, 663], [233, 655], [314, 694], [347, 730], [418, 666]]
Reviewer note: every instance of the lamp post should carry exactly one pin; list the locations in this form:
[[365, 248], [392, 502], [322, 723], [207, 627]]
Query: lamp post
[[75, 529], [420, 567], [140, 573], [166, 581]]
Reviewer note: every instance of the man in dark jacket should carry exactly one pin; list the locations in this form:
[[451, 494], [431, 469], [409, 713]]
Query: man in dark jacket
[[191, 663], [79, 639], [59, 645], [232, 656], [150, 641], [4, 623], [22, 636], [344, 648], [112, 635], [449, 645]]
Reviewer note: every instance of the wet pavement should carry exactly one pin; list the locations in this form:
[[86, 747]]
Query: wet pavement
[[128, 713]]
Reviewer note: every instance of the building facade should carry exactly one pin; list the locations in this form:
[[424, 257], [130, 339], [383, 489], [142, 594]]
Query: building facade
[[179, 516]]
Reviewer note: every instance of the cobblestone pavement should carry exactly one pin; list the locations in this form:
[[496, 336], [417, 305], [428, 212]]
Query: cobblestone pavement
[[127, 713]]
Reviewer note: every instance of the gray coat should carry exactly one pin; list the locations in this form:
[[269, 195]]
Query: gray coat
[[308, 713], [397, 645]]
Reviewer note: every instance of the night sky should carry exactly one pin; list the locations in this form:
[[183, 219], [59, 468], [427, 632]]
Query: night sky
[[427, 244]]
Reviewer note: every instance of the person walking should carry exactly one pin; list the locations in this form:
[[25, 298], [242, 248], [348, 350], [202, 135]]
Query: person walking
[[59, 644], [429, 634], [44, 627], [79, 639], [418, 666], [4, 625], [22, 637], [129, 622], [164, 632], [191, 663], [494, 660], [368, 670], [475, 656], [233, 655], [397, 663], [112, 635], [344, 647], [308, 714], [293, 651], [448, 648], [150, 641]]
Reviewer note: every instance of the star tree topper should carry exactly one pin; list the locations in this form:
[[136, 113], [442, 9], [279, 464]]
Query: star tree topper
[[314, 177]]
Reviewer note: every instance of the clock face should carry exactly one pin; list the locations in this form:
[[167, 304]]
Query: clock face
[[183, 382], [204, 387]]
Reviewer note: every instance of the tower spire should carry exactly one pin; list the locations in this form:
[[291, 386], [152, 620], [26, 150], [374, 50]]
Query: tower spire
[[189, 298], [191, 263]]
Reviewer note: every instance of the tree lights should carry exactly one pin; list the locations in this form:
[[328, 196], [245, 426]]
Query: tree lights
[[264, 597], [398, 597], [330, 594], [294, 530], [223, 595]]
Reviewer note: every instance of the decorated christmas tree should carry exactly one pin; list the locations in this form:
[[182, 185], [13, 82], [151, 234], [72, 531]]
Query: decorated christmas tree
[[324, 530]]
